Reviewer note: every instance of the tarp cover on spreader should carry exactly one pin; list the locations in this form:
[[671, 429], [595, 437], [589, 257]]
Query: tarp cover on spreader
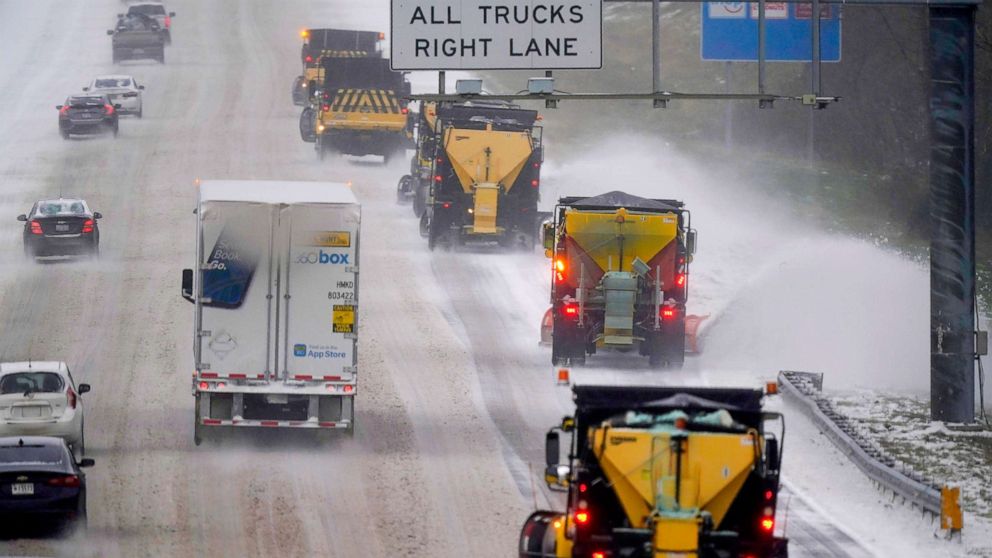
[[617, 198]]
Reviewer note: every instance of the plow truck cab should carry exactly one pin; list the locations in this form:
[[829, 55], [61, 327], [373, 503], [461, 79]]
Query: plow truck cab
[[485, 170], [662, 472], [620, 277], [275, 295]]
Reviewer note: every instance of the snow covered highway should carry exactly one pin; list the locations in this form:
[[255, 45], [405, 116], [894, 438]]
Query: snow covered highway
[[455, 394]]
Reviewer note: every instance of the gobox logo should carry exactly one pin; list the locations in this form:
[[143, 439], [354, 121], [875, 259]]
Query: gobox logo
[[322, 257]]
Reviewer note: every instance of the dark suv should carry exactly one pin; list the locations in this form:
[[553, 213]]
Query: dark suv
[[61, 227], [87, 114]]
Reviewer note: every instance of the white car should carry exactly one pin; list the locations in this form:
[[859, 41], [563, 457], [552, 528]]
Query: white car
[[41, 399], [121, 89]]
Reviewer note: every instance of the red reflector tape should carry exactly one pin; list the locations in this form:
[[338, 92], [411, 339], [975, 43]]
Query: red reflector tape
[[237, 376], [332, 378], [211, 421], [270, 423], [303, 377], [208, 374], [328, 424]]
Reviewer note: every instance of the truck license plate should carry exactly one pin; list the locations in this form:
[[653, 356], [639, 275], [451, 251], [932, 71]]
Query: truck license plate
[[22, 489]]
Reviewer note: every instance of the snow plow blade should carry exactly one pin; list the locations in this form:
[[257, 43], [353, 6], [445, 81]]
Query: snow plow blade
[[692, 323]]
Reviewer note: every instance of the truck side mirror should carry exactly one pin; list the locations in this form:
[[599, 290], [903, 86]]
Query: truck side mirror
[[690, 242], [771, 454], [556, 477], [552, 447], [187, 289], [549, 236]]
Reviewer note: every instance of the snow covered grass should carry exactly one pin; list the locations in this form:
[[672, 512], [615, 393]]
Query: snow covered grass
[[952, 455]]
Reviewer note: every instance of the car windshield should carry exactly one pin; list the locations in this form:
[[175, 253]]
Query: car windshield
[[136, 22], [31, 455], [86, 102], [62, 207], [105, 83], [31, 382], [147, 9]]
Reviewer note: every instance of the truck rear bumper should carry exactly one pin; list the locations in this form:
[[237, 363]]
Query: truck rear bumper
[[276, 423], [274, 410]]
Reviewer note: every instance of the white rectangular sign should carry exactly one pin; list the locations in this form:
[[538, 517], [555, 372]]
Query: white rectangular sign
[[496, 34]]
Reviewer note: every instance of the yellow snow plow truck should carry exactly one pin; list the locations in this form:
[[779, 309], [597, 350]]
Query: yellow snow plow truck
[[331, 43], [663, 472], [486, 165], [620, 277], [359, 109]]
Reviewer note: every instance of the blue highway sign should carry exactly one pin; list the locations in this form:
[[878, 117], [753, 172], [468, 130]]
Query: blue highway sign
[[730, 32]]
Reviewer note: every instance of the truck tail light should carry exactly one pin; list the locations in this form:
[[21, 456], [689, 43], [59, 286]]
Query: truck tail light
[[325, 108], [582, 517], [767, 524], [680, 279], [668, 312], [570, 310]]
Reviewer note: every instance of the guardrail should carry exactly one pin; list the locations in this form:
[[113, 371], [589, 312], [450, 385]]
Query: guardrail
[[803, 389]]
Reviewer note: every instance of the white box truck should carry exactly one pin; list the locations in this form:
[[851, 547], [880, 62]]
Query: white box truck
[[276, 305]]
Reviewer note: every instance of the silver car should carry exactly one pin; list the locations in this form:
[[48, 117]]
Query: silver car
[[121, 89], [41, 399]]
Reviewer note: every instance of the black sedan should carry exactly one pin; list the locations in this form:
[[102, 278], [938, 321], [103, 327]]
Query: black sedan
[[87, 114], [39, 479], [62, 227]]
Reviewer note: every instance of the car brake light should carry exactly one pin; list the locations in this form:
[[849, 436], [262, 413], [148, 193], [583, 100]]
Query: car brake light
[[64, 110], [109, 109], [168, 22], [71, 398], [88, 226], [69, 481], [35, 227]]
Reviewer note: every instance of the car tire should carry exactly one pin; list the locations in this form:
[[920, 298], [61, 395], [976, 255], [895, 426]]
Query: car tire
[[64, 133], [28, 253], [116, 130], [161, 56], [140, 111]]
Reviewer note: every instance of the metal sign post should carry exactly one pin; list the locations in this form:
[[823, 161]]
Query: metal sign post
[[952, 214]]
